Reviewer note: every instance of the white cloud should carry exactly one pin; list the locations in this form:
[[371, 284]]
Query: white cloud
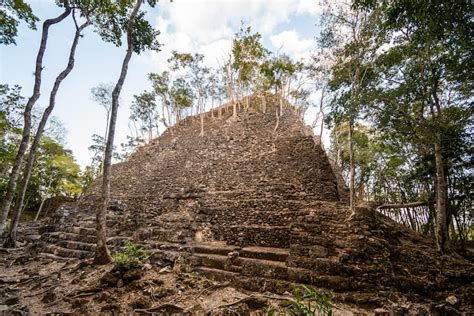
[[207, 26], [215, 52], [290, 43]]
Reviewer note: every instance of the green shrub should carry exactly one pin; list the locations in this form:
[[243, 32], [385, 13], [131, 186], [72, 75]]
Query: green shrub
[[308, 302], [132, 257]]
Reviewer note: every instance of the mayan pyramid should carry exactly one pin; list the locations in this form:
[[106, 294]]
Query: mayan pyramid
[[255, 201]]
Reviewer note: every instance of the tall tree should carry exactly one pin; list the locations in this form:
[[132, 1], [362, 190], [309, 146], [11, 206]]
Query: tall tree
[[85, 11], [349, 32], [161, 89], [140, 36], [181, 95], [12, 104], [424, 78], [144, 111], [198, 76], [102, 94], [248, 54], [15, 171]]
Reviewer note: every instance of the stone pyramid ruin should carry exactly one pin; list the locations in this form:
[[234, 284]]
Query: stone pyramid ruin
[[256, 202]]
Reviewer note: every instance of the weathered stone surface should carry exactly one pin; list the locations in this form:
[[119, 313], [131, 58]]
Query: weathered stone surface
[[270, 196]]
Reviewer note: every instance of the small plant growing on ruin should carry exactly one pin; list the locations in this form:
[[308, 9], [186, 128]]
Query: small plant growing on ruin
[[132, 257], [308, 302]]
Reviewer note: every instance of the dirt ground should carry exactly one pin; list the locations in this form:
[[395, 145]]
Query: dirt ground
[[32, 285]]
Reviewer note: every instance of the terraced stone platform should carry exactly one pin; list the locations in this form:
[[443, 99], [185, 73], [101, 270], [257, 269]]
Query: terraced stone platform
[[258, 205]]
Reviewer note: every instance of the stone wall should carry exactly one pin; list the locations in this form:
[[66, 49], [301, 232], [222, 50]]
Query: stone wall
[[241, 173]]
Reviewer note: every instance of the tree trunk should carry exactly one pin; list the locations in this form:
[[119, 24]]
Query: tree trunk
[[150, 129], [11, 238], [11, 186], [102, 254], [277, 120], [441, 215], [101, 168], [339, 156], [202, 113], [352, 169], [231, 90], [321, 110], [39, 210], [202, 125]]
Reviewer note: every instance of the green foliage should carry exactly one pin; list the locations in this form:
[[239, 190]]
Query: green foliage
[[55, 171], [11, 12], [102, 94], [111, 21], [405, 74], [277, 70], [132, 257], [144, 111], [308, 302], [248, 53]]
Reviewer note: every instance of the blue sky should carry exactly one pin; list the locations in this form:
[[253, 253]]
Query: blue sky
[[186, 25]]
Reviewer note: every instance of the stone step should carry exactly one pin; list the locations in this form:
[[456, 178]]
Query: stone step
[[333, 282], [217, 274], [47, 255], [234, 207], [76, 245], [258, 235], [218, 248], [70, 236], [250, 216], [323, 266], [246, 266], [83, 231], [67, 253], [264, 268], [255, 284], [265, 253], [216, 262], [165, 246], [169, 235], [92, 223], [56, 237], [116, 240], [31, 237]]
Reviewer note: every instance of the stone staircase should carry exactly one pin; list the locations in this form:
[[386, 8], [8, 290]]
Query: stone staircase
[[76, 239], [252, 267]]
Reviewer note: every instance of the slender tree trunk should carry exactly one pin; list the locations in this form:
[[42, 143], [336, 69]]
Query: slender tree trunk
[[339, 155], [11, 238], [202, 125], [277, 120], [352, 169], [42, 201], [441, 215], [231, 90], [201, 107], [105, 138], [102, 253], [39, 210], [150, 129], [11, 186], [321, 110], [281, 102]]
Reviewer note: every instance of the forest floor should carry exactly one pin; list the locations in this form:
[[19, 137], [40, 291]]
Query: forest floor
[[32, 285]]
